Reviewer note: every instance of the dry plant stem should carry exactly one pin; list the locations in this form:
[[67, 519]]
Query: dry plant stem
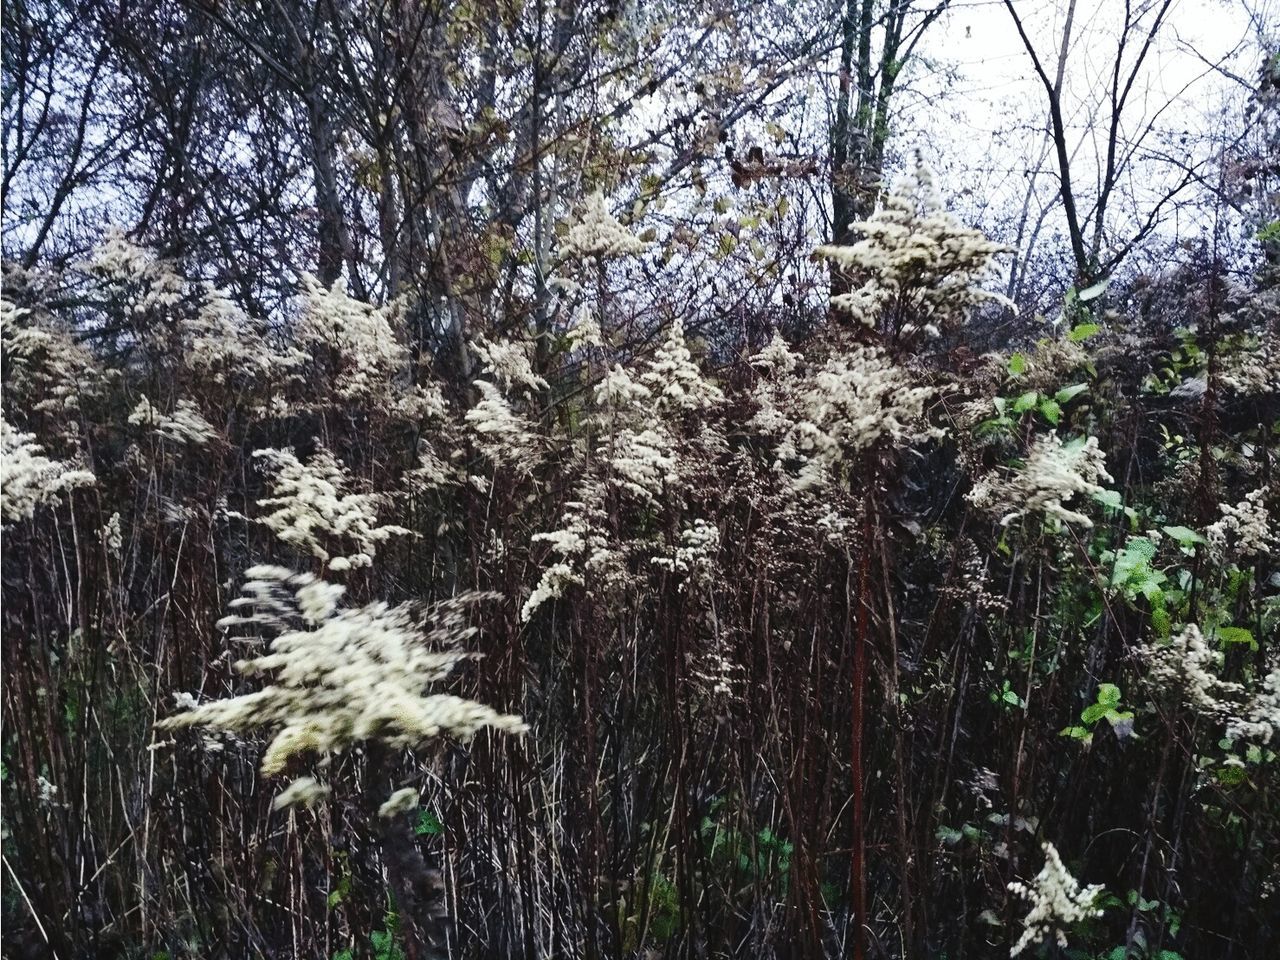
[[858, 880]]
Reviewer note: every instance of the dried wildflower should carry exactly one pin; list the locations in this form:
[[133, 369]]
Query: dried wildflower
[[1188, 665], [694, 553], [1245, 529], [1259, 720], [112, 537], [1054, 473], [343, 676], [150, 284], [674, 380], [504, 435], [359, 334], [1056, 902], [304, 791], [847, 406], [401, 801], [597, 233], [584, 551], [508, 363], [47, 370], [28, 478], [776, 358], [636, 441], [922, 267], [183, 425], [1254, 371], [221, 340], [310, 509]]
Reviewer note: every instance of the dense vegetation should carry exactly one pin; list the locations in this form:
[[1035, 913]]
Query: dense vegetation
[[457, 504]]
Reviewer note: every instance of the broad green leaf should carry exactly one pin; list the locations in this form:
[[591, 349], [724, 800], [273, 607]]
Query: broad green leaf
[[1230, 775], [1083, 331], [1017, 365], [1237, 635], [1050, 410], [1026, 401], [1093, 713], [1068, 393], [428, 824], [1184, 535], [1108, 693], [948, 835]]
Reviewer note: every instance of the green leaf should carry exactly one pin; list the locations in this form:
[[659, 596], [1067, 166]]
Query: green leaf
[[1051, 411], [1017, 365], [1083, 331], [1026, 401], [1237, 635], [1093, 713], [1184, 535], [1109, 498], [1076, 733], [948, 835], [428, 824], [1230, 775], [1068, 393], [1108, 693]]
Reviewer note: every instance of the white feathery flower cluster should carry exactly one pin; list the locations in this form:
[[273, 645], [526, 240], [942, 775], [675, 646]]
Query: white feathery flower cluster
[[583, 551], [48, 792], [636, 442], [401, 801], [309, 501], [720, 675], [112, 536], [1245, 529], [46, 368], [585, 331], [221, 340], [597, 233], [122, 262], [304, 791], [555, 579], [344, 676], [184, 425], [1187, 664], [1260, 719], [776, 358], [357, 337], [1053, 474], [28, 478], [508, 363], [674, 380], [1056, 902], [1254, 372], [695, 553], [921, 268], [504, 436], [845, 407]]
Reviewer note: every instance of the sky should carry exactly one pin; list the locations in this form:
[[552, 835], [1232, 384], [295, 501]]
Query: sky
[[982, 109]]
